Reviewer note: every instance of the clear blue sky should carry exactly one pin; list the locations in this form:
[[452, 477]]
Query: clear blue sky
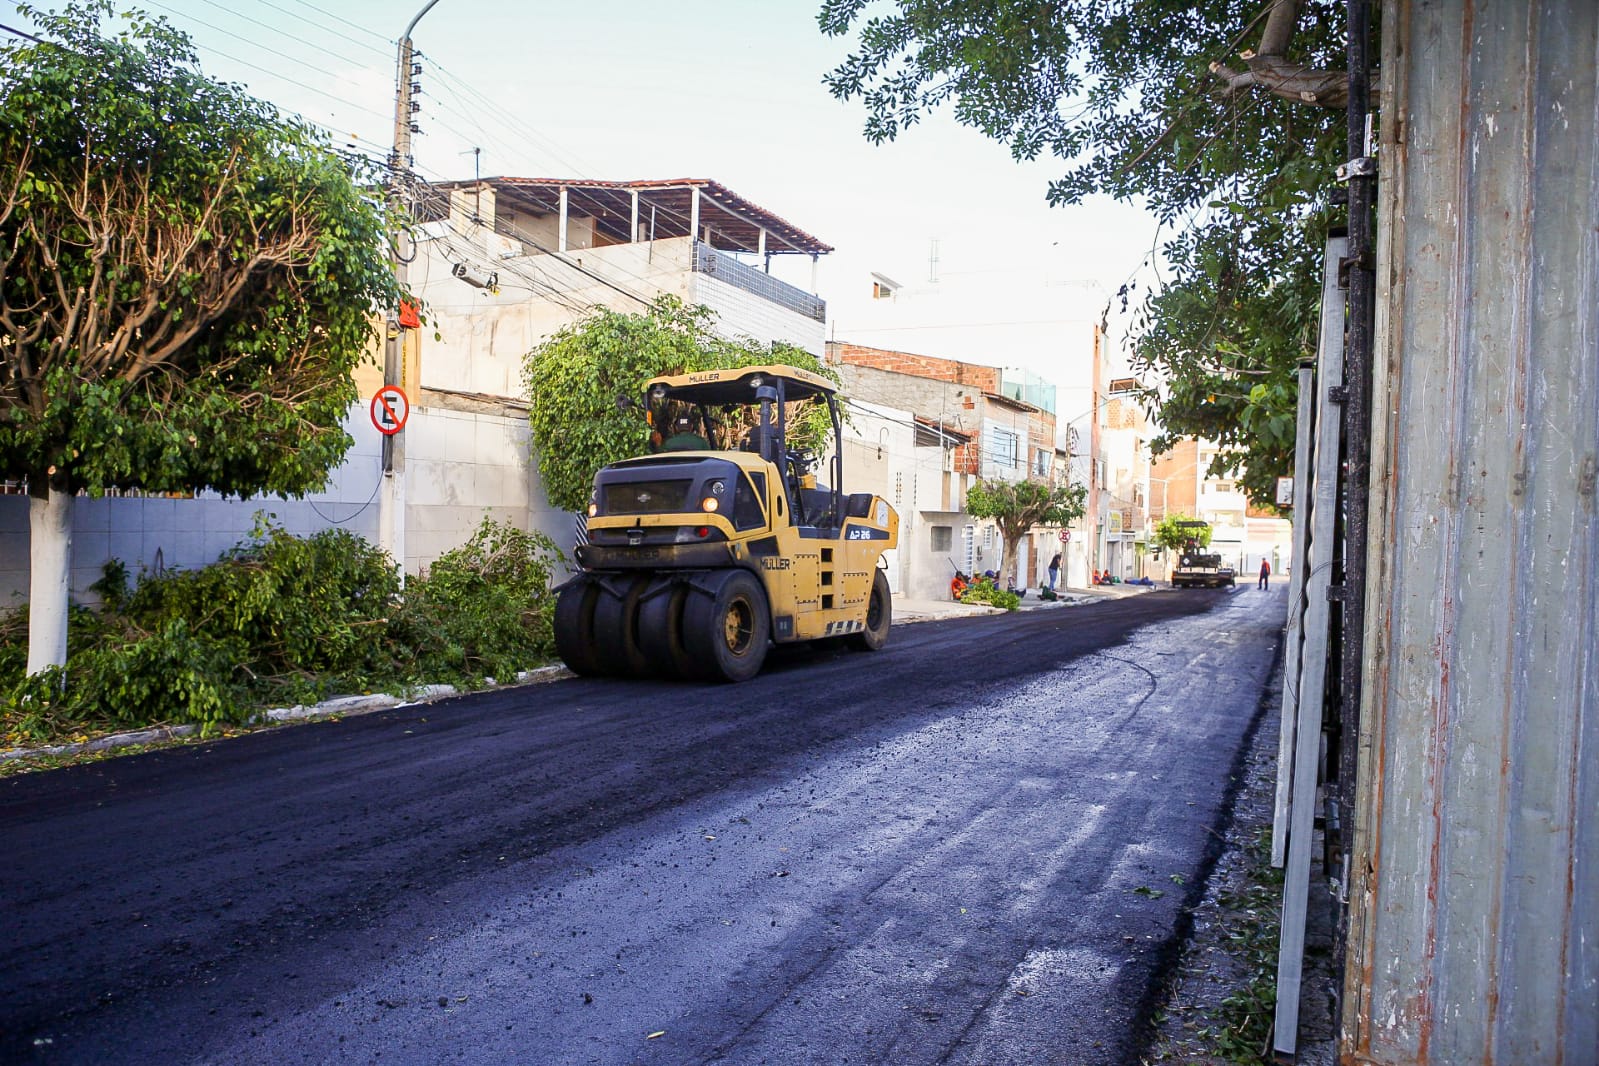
[[723, 89]]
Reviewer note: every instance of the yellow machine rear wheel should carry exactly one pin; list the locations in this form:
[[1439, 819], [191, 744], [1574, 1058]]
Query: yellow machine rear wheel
[[726, 633], [879, 616]]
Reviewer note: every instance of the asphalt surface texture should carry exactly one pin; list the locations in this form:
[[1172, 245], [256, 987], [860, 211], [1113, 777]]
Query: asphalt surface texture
[[980, 845]]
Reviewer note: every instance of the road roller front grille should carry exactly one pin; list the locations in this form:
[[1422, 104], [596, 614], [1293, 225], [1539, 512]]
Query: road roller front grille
[[646, 497]]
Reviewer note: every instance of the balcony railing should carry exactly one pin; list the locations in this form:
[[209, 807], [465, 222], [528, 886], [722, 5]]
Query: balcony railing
[[709, 261]]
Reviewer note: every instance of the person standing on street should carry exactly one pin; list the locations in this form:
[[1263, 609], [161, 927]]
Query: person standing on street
[[1054, 571], [1265, 573]]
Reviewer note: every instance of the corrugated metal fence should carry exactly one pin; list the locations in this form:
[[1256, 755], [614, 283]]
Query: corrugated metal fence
[[1474, 933]]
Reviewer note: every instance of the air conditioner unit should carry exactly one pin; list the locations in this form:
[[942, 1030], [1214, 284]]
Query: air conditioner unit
[[476, 276]]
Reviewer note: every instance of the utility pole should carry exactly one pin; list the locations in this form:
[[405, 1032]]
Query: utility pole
[[391, 500]]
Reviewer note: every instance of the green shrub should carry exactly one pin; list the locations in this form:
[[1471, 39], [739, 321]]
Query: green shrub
[[302, 605], [483, 609], [983, 590], [282, 619], [172, 676]]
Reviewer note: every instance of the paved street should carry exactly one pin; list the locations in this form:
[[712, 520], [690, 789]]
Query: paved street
[[973, 847]]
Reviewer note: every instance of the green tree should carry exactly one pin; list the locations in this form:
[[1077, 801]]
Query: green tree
[[187, 281], [1018, 506], [574, 380], [1175, 531], [1141, 101]]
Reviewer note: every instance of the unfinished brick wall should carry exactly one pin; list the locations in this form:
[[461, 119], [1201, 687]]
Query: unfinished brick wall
[[978, 377]]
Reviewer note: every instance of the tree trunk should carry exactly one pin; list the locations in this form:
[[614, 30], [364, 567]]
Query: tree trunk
[[1007, 565], [50, 575]]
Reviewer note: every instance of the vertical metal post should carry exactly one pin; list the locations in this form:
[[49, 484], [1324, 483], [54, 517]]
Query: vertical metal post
[[1298, 559], [560, 238], [1357, 434], [1311, 681]]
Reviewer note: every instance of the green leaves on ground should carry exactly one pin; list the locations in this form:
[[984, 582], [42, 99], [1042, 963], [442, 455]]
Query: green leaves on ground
[[983, 590], [283, 619]]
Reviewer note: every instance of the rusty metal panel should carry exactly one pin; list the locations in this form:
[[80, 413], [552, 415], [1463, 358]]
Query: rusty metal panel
[[1474, 934]]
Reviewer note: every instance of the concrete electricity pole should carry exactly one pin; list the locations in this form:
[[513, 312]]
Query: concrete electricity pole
[[391, 501]]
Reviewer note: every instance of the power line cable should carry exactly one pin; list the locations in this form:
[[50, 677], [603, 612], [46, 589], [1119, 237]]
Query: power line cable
[[25, 35], [338, 18], [330, 32]]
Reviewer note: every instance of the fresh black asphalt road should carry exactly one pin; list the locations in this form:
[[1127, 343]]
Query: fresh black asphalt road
[[972, 847]]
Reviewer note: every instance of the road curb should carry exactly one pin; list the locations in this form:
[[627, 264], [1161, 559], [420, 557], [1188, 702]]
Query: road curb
[[333, 707], [347, 706]]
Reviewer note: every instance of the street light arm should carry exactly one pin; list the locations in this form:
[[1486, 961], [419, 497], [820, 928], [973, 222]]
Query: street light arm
[[412, 25]]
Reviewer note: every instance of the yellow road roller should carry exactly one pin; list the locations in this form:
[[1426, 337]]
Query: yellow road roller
[[721, 541]]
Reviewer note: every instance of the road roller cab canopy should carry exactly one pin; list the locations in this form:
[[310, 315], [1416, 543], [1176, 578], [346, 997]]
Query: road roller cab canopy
[[739, 385]]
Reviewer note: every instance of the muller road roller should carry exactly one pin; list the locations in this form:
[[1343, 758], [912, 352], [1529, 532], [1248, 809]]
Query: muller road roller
[[721, 542]]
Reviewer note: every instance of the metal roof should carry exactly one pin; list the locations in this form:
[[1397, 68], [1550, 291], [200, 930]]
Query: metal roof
[[735, 223]]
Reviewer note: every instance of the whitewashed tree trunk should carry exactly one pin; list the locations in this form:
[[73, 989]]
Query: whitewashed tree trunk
[[50, 562]]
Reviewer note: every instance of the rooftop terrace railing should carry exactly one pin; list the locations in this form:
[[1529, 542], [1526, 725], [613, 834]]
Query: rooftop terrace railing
[[709, 261]]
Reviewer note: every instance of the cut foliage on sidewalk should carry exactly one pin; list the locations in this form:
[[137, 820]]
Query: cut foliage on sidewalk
[[280, 620]]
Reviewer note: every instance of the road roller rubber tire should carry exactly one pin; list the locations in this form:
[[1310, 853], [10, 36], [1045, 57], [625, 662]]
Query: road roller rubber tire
[[574, 627], [879, 616], [727, 632], [616, 631], [660, 633]]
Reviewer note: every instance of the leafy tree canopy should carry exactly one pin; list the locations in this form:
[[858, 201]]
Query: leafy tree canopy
[[575, 378], [186, 278], [1139, 101], [1018, 506], [1176, 530]]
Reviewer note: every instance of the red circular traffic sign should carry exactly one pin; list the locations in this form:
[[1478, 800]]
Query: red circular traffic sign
[[390, 409]]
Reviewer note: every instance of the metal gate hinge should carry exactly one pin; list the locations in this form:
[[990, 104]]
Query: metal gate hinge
[[1363, 167], [1338, 394]]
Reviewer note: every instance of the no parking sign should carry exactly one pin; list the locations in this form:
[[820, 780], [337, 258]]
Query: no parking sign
[[390, 409]]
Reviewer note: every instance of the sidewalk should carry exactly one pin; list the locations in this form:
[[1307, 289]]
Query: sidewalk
[[912, 610]]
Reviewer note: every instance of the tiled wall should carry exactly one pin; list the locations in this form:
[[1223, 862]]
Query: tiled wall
[[146, 533]]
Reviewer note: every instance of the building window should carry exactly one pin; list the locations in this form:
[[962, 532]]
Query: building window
[[943, 538], [1041, 458], [1003, 447]]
